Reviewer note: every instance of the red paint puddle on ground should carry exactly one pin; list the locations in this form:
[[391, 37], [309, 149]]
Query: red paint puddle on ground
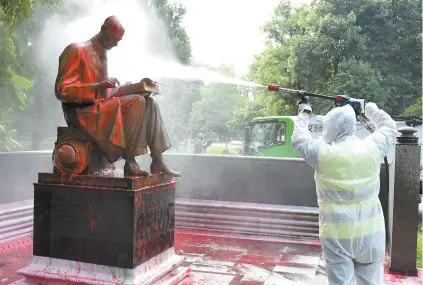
[[246, 282], [256, 251], [225, 255], [12, 259], [259, 260]]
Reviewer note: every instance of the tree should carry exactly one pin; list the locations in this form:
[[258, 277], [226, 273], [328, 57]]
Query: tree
[[369, 49], [216, 107], [244, 114], [29, 17], [169, 39], [7, 142], [393, 29], [391, 33], [415, 109], [269, 67], [13, 85], [354, 77], [169, 33], [176, 105], [26, 20], [304, 51]]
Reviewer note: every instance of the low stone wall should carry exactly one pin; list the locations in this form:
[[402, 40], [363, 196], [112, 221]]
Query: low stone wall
[[260, 180]]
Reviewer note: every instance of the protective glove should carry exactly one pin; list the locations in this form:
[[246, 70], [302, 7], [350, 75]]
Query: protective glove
[[370, 109], [304, 105]]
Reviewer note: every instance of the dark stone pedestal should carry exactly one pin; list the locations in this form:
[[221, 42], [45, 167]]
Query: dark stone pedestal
[[404, 204], [98, 230]]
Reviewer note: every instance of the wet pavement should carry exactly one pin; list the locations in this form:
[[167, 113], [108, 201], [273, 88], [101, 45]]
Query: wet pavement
[[224, 259]]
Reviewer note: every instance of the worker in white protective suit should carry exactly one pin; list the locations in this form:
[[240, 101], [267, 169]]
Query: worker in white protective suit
[[351, 223]]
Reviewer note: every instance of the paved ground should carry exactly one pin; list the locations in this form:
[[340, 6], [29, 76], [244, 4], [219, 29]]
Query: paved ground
[[225, 260]]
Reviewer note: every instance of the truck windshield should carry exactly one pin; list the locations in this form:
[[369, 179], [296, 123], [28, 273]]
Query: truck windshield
[[267, 134]]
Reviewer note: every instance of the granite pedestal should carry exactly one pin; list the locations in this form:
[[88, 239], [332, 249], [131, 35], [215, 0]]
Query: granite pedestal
[[404, 204], [98, 230]]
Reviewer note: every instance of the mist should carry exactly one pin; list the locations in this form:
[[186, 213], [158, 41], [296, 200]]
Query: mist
[[134, 58], [129, 61], [144, 51]]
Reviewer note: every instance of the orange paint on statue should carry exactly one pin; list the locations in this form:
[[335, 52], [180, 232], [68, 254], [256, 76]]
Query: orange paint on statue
[[92, 225]]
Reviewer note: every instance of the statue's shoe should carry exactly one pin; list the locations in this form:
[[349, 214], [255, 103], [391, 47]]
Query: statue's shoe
[[133, 169], [161, 167]]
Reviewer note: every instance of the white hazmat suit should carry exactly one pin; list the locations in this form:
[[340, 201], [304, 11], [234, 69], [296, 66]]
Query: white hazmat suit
[[351, 223]]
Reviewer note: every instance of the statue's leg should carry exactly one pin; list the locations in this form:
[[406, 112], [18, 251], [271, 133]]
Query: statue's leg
[[157, 138], [133, 107]]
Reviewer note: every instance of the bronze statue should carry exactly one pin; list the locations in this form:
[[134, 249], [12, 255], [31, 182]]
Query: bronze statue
[[120, 124]]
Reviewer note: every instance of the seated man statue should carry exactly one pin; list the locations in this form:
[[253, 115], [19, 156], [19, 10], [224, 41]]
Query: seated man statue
[[120, 125]]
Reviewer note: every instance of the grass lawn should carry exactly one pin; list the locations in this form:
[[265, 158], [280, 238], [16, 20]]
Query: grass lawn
[[419, 249]]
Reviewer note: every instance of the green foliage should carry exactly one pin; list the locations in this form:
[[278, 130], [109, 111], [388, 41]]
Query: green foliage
[[175, 35], [7, 142], [26, 89], [244, 114], [354, 77], [169, 39], [177, 105], [419, 262], [393, 30], [12, 85], [20, 25], [216, 107], [368, 49], [16, 11], [415, 109], [178, 102]]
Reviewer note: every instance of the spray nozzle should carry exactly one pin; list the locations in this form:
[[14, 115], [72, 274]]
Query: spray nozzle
[[273, 88]]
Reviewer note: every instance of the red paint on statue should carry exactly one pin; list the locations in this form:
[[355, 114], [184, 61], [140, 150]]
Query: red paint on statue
[[92, 225]]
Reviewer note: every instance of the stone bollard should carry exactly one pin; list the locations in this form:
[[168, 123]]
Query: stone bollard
[[404, 202]]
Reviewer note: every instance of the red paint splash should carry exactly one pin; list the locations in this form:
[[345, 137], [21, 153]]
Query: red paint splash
[[92, 224]]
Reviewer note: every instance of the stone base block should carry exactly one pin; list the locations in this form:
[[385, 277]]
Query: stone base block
[[103, 230], [120, 223], [161, 269]]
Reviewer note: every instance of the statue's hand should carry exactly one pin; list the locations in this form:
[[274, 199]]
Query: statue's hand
[[108, 83]]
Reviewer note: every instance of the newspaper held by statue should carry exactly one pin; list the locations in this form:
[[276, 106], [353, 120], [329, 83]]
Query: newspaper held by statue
[[146, 87]]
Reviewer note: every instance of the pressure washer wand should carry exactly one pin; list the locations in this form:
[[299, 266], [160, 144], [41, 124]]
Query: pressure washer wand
[[339, 100], [302, 93]]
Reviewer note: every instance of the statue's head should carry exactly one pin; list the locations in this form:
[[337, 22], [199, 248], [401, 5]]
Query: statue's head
[[111, 33]]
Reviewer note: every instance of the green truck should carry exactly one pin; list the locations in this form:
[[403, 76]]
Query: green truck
[[272, 136]]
